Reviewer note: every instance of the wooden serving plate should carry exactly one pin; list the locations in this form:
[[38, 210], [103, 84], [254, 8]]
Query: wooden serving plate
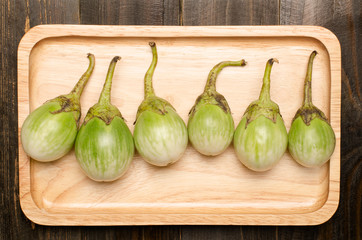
[[196, 189]]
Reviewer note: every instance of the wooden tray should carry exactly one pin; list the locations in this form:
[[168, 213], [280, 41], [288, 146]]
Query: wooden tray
[[196, 189]]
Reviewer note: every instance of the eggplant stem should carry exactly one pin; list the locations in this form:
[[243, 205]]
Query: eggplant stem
[[105, 97], [78, 88], [265, 89], [149, 91], [308, 81], [211, 79]]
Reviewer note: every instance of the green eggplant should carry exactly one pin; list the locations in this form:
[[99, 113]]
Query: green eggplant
[[49, 132], [261, 138], [311, 138], [104, 146], [160, 134], [211, 126]]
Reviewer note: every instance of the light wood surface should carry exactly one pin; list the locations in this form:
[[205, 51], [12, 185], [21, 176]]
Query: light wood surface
[[196, 189]]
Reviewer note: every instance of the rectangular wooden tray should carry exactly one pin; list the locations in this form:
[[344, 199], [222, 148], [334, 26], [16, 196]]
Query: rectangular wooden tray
[[196, 189]]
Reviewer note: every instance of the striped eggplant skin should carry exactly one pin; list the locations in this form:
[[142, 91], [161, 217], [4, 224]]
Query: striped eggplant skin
[[161, 139], [311, 145], [46, 136], [210, 130], [104, 151], [261, 144]]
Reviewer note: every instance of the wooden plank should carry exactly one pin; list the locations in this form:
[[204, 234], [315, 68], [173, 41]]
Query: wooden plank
[[299, 233], [108, 232], [140, 12], [16, 18], [52, 12], [344, 19], [12, 28], [161, 232], [259, 232], [211, 232], [230, 12]]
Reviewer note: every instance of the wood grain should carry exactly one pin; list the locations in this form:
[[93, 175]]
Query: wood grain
[[189, 187], [211, 232], [230, 12], [139, 12], [50, 11], [8, 104]]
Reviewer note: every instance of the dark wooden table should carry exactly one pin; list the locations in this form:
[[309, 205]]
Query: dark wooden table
[[341, 16]]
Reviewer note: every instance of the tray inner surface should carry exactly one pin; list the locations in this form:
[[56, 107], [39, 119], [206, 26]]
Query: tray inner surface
[[195, 184]]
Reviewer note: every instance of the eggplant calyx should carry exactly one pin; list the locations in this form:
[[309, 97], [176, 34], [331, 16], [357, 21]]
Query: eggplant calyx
[[68, 103], [104, 112], [264, 106], [154, 104], [310, 112], [212, 98], [268, 109]]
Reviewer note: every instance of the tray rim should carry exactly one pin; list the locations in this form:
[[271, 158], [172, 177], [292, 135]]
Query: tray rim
[[323, 35]]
